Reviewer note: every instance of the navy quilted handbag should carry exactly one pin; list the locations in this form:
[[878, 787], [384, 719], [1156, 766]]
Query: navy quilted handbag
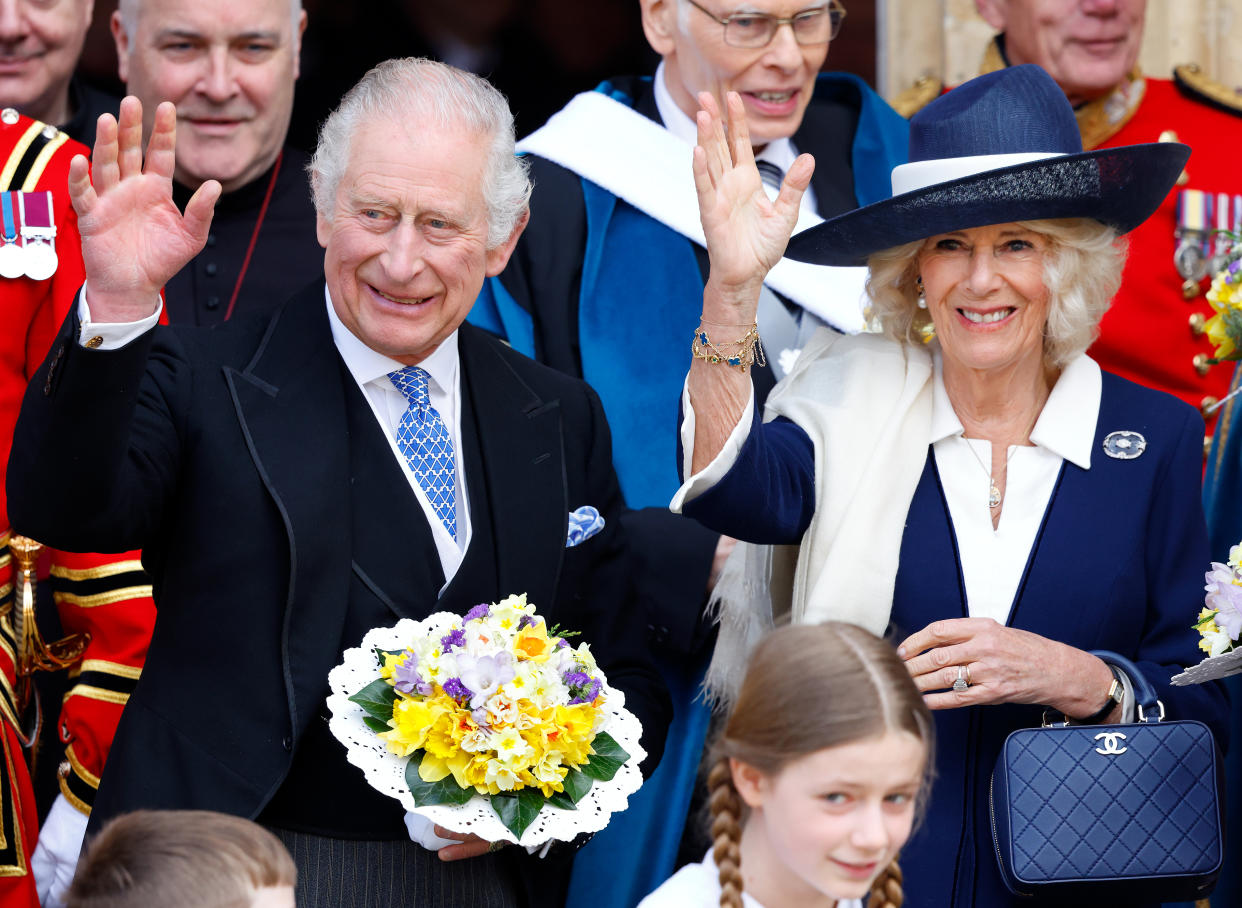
[[1119, 813]]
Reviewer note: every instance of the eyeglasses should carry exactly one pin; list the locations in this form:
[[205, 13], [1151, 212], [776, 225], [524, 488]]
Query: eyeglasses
[[810, 26]]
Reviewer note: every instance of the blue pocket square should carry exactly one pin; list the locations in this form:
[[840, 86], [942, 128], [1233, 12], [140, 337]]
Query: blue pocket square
[[584, 522]]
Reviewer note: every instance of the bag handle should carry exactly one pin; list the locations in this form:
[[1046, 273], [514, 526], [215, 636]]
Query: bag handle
[[1144, 693]]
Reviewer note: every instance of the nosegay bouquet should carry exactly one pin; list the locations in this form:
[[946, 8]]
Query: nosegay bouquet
[[493, 708], [1219, 623]]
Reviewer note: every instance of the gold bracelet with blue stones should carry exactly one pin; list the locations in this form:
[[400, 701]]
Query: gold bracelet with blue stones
[[741, 353]]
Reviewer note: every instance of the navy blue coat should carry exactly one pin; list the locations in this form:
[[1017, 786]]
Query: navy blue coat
[[1117, 564]]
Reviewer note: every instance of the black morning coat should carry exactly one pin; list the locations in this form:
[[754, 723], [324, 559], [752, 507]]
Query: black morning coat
[[275, 523]]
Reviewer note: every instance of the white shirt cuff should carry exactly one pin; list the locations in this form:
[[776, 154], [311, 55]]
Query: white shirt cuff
[[711, 474], [111, 335]]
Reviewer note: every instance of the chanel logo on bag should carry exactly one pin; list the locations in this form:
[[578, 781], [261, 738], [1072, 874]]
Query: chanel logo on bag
[[1112, 743]]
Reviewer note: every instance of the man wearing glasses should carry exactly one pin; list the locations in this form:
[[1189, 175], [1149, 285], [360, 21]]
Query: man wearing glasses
[[607, 283]]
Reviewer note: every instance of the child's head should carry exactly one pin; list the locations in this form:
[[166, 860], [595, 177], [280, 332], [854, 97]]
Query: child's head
[[191, 858], [824, 759]]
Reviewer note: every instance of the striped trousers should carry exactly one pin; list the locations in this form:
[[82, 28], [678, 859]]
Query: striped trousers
[[345, 873]]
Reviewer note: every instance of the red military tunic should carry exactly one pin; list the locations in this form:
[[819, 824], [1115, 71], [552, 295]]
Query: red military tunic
[[1151, 334], [105, 596]]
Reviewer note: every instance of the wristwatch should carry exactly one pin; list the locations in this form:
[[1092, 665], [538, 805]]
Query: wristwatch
[[1116, 693]]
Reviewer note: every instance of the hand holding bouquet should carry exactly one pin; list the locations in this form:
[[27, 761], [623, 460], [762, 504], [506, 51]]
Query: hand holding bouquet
[[494, 710]]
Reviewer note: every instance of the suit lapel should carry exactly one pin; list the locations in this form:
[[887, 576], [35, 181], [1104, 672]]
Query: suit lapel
[[523, 466], [290, 404]]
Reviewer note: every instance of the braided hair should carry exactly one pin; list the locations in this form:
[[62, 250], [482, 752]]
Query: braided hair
[[866, 691]]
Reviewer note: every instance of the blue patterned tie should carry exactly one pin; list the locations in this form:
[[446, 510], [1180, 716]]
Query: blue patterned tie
[[427, 445]]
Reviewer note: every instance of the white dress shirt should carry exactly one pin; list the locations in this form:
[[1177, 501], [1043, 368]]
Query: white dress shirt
[[370, 370], [993, 559]]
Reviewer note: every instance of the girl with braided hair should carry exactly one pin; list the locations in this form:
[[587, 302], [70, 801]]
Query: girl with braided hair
[[816, 780]]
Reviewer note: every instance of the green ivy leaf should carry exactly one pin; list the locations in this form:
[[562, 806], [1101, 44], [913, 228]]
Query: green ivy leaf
[[376, 725], [446, 791], [609, 756], [517, 810], [377, 698]]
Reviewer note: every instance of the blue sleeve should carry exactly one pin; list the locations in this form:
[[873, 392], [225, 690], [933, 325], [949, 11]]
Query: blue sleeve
[[768, 496], [881, 142], [1176, 556], [1222, 482]]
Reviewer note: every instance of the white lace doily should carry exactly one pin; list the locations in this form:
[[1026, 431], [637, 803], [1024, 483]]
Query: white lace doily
[[1210, 669], [385, 771]]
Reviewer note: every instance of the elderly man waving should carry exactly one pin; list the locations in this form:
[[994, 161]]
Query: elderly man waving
[[256, 467]]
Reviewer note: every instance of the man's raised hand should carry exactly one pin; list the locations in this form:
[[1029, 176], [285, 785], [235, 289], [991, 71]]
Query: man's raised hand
[[133, 237]]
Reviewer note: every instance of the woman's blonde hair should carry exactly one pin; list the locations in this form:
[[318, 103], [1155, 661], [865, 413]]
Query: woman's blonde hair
[[860, 689], [1082, 271]]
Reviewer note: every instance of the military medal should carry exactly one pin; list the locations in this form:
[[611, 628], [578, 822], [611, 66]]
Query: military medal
[[38, 235], [11, 265], [1191, 257]]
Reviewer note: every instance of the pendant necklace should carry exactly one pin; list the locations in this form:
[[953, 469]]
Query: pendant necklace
[[994, 495]]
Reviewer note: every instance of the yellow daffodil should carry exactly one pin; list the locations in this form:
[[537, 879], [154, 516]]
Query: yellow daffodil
[[532, 643]]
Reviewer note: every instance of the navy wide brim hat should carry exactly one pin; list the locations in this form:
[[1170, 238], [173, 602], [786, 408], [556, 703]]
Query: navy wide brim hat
[[1000, 148]]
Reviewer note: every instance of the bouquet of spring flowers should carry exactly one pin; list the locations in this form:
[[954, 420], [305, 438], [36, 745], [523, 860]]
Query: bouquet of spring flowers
[[489, 723], [1224, 328], [1219, 623]]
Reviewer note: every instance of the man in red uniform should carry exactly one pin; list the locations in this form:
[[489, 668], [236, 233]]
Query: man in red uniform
[[106, 597]]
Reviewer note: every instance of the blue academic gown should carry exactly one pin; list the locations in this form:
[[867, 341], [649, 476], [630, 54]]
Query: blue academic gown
[[639, 294], [1117, 564]]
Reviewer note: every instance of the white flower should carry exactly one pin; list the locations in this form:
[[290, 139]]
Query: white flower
[[500, 711], [501, 776], [787, 358], [585, 658], [1235, 556], [1218, 641], [512, 749], [477, 741]]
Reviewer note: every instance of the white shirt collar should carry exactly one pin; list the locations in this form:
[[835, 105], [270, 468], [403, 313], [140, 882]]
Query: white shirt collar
[[780, 152], [1066, 426], [367, 365]]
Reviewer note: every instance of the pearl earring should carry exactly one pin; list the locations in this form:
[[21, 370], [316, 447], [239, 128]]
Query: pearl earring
[[918, 283]]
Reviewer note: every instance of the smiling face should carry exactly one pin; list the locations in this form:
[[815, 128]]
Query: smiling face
[[40, 42], [1087, 46], [986, 296], [406, 245], [229, 66], [829, 822], [775, 82]]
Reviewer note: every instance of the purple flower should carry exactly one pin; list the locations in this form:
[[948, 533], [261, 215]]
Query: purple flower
[[455, 637], [1226, 597], [576, 679], [480, 718], [455, 689], [525, 621], [582, 687], [405, 677], [484, 674], [482, 610]]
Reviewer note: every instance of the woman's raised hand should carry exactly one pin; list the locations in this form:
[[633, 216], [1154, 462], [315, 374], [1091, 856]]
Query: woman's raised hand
[[133, 237], [746, 232]]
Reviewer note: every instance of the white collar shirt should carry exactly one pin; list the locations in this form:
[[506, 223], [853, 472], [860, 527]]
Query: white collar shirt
[[370, 370], [780, 152], [994, 559]]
